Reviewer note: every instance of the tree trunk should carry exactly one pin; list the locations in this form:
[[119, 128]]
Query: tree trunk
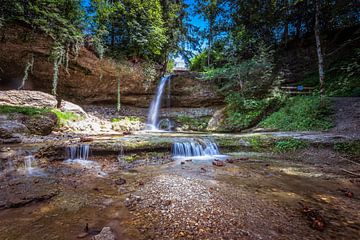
[[318, 49], [210, 43], [118, 105], [286, 27]]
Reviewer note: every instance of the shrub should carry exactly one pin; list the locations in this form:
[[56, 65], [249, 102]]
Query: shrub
[[290, 144], [301, 113], [244, 113]]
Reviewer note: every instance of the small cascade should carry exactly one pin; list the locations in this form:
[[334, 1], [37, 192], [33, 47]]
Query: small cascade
[[79, 155], [153, 117], [189, 148], [78, 152], [30, 166], [121, 154], [28, 161]]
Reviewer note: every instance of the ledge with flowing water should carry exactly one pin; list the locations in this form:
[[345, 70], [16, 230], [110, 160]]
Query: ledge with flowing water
[[196, 149], [153, 116]]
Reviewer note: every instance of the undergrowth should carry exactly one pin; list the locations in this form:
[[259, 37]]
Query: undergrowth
[[302, 113]]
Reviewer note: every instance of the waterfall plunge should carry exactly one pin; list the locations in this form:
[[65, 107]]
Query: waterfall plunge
[[196, 149], [153, 117], [78, 152]]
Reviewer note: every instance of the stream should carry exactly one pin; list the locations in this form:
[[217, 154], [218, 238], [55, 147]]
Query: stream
[[254, 195]]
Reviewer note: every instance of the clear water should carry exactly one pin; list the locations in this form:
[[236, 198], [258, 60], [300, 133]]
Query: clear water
[[79, 155]]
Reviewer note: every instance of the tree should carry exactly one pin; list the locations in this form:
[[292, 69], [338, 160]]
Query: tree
[[318, 48], [211, 11]]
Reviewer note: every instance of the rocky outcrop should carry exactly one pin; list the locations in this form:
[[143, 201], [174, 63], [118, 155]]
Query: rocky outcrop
[[188, 90], [88, 79], [217, 120]]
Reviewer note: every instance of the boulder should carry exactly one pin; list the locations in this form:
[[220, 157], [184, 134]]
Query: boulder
[[42, 124], [105, 234], [71, 107], [27, 98]]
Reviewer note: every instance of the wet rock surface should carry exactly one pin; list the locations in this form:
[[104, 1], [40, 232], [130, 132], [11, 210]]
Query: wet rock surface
[[105, 234], [255, 196]]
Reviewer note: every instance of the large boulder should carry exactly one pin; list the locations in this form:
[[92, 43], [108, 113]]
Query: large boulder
[[89, 79], [42, 124], [25, 98]]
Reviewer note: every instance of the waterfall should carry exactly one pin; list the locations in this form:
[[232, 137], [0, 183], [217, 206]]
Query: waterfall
[[28, 162], [153, 117], [78, 152], [189, 148], [30, 167]]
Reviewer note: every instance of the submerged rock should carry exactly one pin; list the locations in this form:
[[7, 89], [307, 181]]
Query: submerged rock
[[218, 163], [120, 181]]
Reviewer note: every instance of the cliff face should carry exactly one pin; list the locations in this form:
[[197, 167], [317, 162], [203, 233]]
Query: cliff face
[[89, 80]]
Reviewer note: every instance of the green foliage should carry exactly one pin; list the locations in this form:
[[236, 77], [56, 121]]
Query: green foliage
[[243, 113], [66, 116], [251, 77], [290, 145], [191, 123], [61, 19], [135, 28], [30, 111], [342, 78], [303, 113], [351, 148], [199, 62]]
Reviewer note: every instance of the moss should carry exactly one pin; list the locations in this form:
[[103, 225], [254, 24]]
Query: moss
[[290, 145], [270, 144], [126, 119], [29, 111], [192, 123], [64, 117]]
